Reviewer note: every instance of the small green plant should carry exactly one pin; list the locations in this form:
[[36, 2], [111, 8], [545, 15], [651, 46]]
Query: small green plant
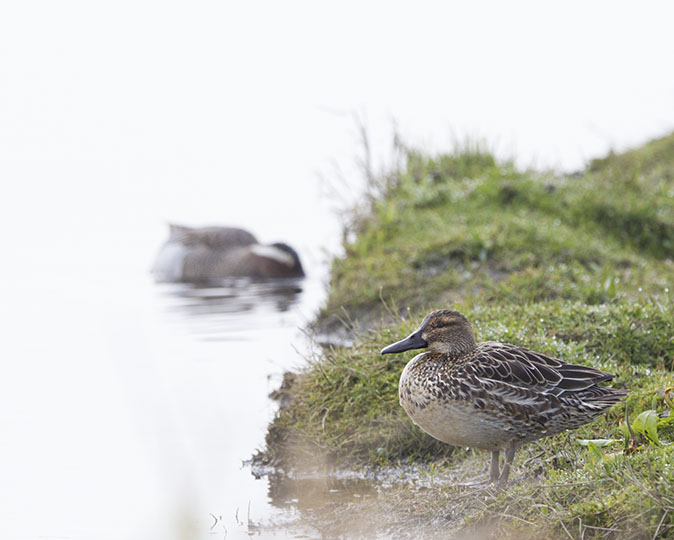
[[645, 425], [642, 431]]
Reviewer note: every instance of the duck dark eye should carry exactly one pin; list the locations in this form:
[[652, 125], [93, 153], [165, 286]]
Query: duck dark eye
[[444, 324]]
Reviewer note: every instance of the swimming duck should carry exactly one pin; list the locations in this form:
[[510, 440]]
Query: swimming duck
[[215, 253], [493, 396]]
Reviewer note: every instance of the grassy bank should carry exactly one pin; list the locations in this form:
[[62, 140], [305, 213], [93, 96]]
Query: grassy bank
[[579, 267]]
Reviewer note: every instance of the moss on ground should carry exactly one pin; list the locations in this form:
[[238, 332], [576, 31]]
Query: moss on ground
[[579, 267]]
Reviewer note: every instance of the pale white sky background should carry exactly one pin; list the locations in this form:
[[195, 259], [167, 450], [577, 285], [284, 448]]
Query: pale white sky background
[[103, 101], [118, 116]]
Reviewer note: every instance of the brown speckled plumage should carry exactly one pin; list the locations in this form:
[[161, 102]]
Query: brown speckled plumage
[[493, 396]]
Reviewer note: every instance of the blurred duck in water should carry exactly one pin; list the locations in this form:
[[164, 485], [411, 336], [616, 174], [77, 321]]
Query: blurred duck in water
[[214, 253]]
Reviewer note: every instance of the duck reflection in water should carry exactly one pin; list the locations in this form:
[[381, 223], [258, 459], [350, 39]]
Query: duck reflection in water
[[234, 296]]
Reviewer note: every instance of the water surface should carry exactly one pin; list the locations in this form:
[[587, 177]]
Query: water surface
[[129, 407]]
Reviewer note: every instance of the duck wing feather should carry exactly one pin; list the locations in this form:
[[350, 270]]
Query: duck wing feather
[[535, 394], [526, 369]]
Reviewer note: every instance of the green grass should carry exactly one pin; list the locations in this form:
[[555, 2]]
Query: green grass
[[578, 267], [345, 404], [463, 225]]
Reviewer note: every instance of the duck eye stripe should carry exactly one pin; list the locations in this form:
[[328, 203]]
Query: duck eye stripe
[[443, 324]]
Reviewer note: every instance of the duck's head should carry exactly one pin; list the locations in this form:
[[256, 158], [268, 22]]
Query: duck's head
[[277, 260], [296, 265], [442, 331]]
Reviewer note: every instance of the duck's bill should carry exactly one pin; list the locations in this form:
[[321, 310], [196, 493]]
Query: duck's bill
[[413, 341]]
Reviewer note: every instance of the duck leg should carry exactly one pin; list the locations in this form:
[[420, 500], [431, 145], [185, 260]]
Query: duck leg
[[494, 469], [509, 455]]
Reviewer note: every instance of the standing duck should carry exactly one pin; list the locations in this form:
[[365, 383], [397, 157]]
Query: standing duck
[[493, 396], [215, 253]]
